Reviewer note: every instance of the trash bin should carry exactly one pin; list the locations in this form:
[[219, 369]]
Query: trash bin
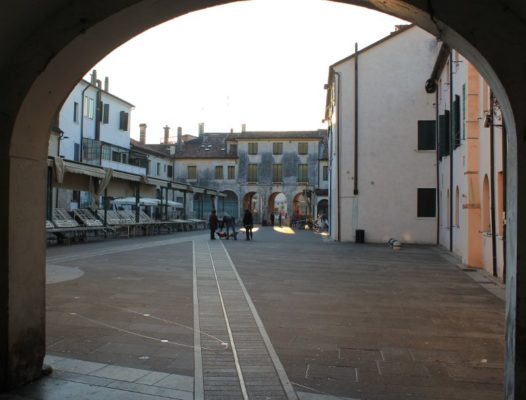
[[360, 236]]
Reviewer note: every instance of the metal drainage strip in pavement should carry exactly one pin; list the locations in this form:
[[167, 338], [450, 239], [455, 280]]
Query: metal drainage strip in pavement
[[234, 358]]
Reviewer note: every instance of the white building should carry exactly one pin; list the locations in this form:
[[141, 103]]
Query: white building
[[472, 179], [382, 141]]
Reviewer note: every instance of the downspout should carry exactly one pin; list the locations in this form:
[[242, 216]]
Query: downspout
[[451, 149], [437, 133], [492, 184], [355, 191], [338, 152], [504, 161], [81, 158]]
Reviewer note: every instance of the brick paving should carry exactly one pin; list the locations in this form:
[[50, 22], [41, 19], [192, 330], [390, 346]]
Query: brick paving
[[360, 321]]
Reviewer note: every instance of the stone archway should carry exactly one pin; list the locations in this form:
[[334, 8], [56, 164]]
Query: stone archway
[[47, 48]]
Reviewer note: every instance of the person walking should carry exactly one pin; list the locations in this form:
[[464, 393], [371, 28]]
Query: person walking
[[248, 222], [230, 223], [212, 223], [279, 219], [272, 218]]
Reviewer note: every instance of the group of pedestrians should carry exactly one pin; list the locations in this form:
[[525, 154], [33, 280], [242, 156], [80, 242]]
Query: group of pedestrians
[[230, 223]]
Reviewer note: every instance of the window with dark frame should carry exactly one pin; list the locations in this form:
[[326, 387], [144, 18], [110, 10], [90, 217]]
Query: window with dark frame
[[191, 172], [170, 171], [253, 148], [106, 114], [303, 173], [427, 135], [325, 173], [231, 172], [252, 173], [277, 173], [219, 172], [123, 120], [426, 203]]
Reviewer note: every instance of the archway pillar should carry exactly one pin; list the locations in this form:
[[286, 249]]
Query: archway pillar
[[23, 272]]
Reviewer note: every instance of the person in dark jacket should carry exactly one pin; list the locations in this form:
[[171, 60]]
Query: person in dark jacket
[[212, 223], [248, 223]]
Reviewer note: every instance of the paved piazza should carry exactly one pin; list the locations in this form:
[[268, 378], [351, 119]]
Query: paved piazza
[[289, 315]]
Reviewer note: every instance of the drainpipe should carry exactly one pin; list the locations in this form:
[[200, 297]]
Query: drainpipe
[[82, 122], [355, 191], [504, 161], [492, 184], [451, 146], [437, 133], [338, 152]]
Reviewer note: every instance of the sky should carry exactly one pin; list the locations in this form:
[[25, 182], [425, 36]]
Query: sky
[[262, 63]]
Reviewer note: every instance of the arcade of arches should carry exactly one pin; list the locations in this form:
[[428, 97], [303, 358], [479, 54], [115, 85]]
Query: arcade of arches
[[48, 46]]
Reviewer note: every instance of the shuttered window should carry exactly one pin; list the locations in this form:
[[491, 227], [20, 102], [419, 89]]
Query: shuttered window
[[277, 148], [231, 172], [219, 172], [123, 121], [427, 135], [443, 129], [252, 148], [456, 121], [277, 173], [426, 203], [325, 173], [303, 173], [191, 172], [252, 173], [106, 114], [303, 148], [170, 171]]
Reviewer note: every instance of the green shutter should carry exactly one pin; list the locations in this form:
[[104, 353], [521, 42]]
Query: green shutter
[[443, 129], [427, 135]]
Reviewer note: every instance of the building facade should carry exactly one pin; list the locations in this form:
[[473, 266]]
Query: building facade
[[382, 152], [278, 173], [472, 156]]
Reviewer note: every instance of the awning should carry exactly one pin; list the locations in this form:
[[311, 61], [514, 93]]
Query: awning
[[126, 177], [146, 201]]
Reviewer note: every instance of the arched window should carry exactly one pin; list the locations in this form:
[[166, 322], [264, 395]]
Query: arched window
[[485, 212], [457, 208]]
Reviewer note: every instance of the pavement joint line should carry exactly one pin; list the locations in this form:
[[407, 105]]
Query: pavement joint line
[[199, 392], [229, 329], [285, 382]]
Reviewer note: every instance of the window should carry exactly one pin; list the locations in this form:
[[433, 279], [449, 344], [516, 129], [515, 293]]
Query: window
[[192, 172], [170, 171], [123, 121], [443, 130], [233, 149], [105, 113], [277, 148], [325, 173], [124, 158], [277, 173], [455, 115], [89, 107], [219, 172], [426, 135], [158, 169], [252, 148], [76, 152], [303, 172], [106, 152], [115, 156], [252, 172], [231, 172], [75, 112], [426, 207], [303, 148]]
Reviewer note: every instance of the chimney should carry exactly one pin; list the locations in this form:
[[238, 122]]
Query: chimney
[[243, 128], [94, 77], [166, 134], [106, 84], [179, 138], [201, 128], [142, 133]]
